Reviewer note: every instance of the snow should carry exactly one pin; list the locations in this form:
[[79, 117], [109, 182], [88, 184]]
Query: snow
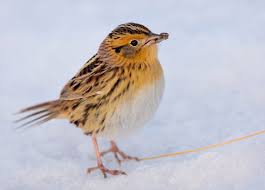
[[214, 70]]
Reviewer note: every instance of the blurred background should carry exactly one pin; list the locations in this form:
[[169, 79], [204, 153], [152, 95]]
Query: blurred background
[[215, 75]]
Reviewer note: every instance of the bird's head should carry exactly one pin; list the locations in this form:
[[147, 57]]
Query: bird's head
[[129, 43]]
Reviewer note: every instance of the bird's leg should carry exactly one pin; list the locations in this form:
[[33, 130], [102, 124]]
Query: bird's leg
[[100, 165], [117, 152]]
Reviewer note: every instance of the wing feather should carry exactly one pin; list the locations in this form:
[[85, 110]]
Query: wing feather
[[91, 81]]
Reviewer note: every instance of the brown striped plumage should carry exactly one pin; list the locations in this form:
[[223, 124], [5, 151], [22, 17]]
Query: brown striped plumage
[[111, 81]]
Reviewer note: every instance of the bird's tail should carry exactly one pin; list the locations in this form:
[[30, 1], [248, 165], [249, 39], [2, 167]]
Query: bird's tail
[[40, 113]]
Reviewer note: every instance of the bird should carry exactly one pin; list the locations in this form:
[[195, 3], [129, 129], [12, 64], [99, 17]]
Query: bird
[[115, 92]]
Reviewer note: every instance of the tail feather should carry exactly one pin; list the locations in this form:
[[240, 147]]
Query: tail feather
[[41, 113], [39, 106], [30, 115]]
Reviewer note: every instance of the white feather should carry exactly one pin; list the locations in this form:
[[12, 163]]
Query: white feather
[[135, 113]]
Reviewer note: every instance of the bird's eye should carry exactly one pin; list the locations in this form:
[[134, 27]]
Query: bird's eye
[[134, 42]]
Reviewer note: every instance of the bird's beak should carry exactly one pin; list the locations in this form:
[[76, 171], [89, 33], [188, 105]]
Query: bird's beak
[[156, 38]]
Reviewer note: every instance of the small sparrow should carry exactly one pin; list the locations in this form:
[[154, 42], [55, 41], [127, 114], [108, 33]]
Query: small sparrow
[[116, 91]]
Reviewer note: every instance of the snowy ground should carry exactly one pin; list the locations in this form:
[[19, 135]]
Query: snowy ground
[[215, 74]]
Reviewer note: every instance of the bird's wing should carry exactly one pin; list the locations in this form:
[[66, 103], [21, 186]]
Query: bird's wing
[[93, 80]]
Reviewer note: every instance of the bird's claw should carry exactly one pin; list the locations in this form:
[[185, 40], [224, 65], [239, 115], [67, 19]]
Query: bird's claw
[[105, 171], [117, 152]]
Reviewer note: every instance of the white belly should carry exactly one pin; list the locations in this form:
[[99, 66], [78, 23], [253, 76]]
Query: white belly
[[134, 113]]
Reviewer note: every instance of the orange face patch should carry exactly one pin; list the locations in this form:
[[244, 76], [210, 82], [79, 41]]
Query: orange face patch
[[122, 40]]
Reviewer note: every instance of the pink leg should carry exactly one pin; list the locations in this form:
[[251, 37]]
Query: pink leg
[[117, 152], [100, 165]]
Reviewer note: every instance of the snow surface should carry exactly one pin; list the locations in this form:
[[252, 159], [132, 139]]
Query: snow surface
[[215, 75]]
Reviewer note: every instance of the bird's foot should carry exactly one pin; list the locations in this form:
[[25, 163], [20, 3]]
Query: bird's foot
[[105, 171], [117, 152]]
